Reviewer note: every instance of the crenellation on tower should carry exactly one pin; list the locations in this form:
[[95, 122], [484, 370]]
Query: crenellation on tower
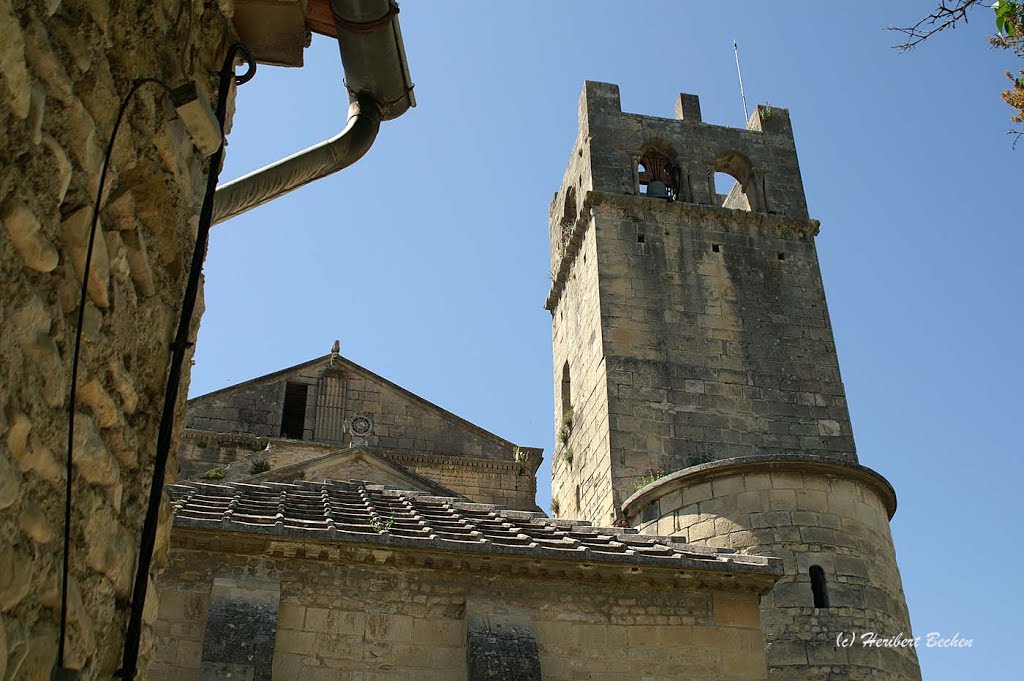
[[688, 108]]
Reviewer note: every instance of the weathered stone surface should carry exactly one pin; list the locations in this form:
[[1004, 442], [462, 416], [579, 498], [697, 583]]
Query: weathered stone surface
[[15, 578], [37, 459], [95, 397], [505, 655], [91, 458], [77, 227], [10, 482], [36, 113], [35, 525], [45, 63], [138, 262], [3, 649], [92, 322], [44, 355], [124, 385], [24, 230], [40, 655], [12, 62], [110, 549], [61, 165], [17, 433], [241, 627]]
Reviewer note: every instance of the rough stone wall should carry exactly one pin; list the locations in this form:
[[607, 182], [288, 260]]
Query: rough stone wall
[[582, 461], [835, 522], [64, 68], [704, 329], [351, 615]]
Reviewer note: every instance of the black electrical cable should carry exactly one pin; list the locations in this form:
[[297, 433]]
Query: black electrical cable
[[180, 345], [72, 391]]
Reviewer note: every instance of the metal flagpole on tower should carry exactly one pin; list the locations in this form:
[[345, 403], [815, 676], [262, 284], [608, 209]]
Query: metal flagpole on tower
[[736, 50]]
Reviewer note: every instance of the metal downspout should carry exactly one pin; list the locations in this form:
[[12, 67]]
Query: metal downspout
[[379, 87], [268, 183]]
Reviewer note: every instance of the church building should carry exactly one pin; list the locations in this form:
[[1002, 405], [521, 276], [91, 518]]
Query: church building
[[711, 520]]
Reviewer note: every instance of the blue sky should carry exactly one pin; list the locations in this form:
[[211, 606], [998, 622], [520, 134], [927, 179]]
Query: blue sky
[[428, 259]]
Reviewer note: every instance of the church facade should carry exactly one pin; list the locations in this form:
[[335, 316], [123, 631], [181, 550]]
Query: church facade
[[711, 518]]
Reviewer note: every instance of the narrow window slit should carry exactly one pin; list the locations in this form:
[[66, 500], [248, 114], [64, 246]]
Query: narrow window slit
[[818, 588], [566, 392]]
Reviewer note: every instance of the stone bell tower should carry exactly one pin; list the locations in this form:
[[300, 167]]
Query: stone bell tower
[[697, 385]]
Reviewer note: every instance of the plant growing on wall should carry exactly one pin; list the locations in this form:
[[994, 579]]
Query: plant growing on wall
[[567, 421], [382, 526], [648, 476], [565, 430], [567, 456], [555, 507], [213, 474]]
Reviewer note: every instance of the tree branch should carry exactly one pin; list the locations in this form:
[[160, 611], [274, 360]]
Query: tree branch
[[947, 15]]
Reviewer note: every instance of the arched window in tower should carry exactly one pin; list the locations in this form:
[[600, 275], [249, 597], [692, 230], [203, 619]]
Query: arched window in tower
[[657, 176], [566, 393], [818, 588], [734, 184]]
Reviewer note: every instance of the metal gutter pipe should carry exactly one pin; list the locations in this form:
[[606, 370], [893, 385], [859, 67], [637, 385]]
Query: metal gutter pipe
[[379, 86]]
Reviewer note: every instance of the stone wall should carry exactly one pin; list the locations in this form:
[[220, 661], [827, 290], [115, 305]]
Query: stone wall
[[581, 463], [487, 481], [64, 68], [400, 419], [806, 513], [692, 331], [379, 615], [199, 452]]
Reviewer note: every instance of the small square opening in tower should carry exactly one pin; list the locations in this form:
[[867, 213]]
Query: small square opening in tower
[[640, 238], [782, 256], [717, 248]]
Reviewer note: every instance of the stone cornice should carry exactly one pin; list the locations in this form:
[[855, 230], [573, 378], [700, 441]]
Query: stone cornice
[[532, 456], [796, 463], [408, 457], [379, 551]]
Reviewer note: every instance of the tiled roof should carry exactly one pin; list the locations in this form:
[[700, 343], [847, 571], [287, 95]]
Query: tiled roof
[[362, 512]]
